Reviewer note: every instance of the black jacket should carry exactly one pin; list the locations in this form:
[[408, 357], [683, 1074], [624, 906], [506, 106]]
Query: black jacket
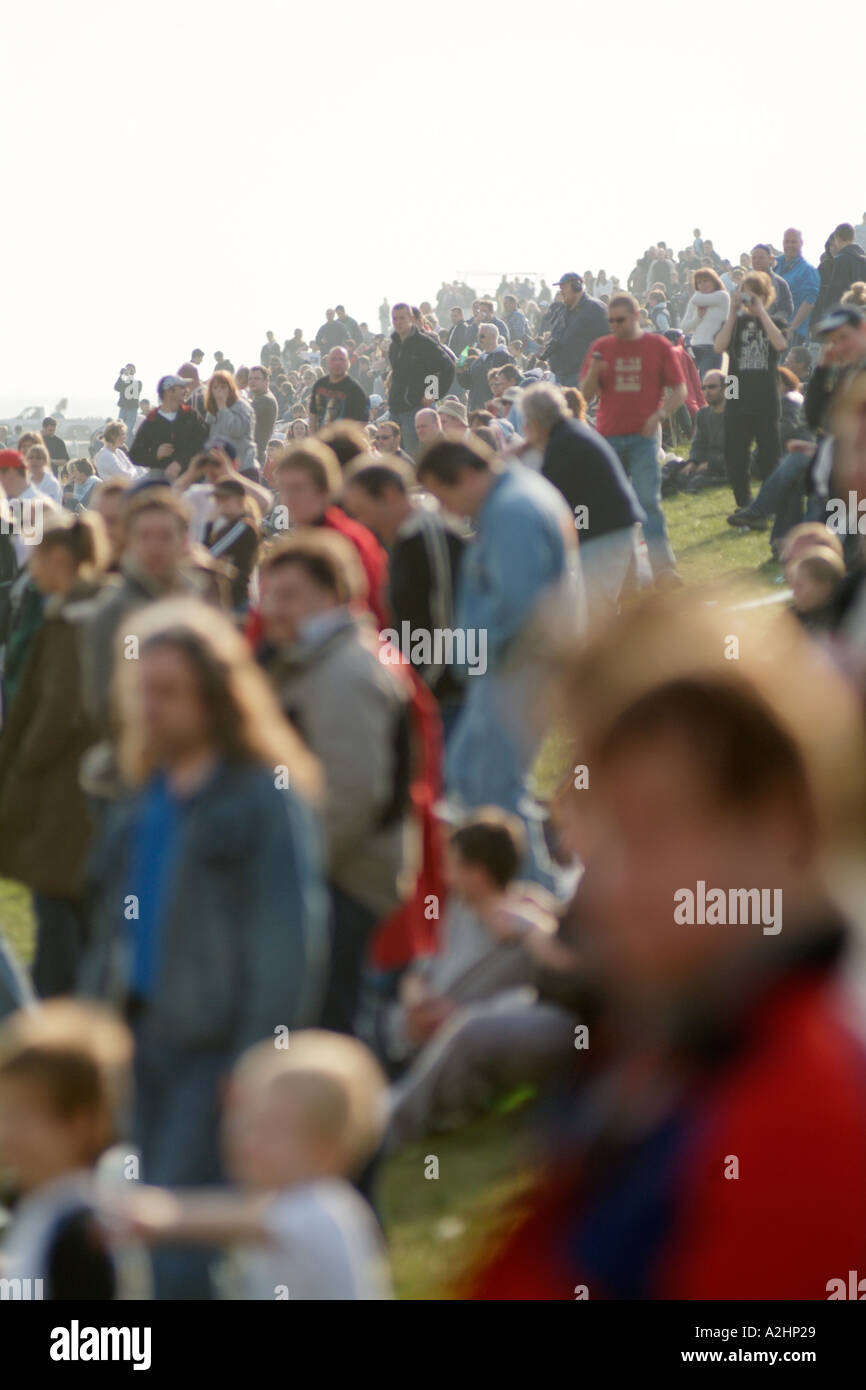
[[572, 331], [414, 361], [424, 567], [585, 469], [460, 337], [848, 267], [187, 432]]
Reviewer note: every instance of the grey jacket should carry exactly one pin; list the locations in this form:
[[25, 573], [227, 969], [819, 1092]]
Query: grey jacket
[[236, 424], [244, 937], [347, 706]]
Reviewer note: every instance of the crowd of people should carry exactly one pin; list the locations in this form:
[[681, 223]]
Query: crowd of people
[[279, 657]]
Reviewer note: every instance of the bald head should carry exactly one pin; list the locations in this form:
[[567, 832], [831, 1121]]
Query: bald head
[[338, 363], [792, 243], [427, 425]]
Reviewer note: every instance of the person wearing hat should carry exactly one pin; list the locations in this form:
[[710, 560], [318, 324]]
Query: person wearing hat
[[455, 421], [576, 323], [172, 434]]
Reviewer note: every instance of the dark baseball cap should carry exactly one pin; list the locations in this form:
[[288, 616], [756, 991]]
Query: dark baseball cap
[[571, 277], [838, 317]]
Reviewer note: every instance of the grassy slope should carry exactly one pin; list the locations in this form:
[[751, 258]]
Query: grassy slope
[[435, 1224]]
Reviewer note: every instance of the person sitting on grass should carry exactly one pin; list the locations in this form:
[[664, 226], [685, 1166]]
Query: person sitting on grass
[[705, 465]]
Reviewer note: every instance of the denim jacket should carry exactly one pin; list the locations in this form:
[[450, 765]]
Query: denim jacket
[[243, 939]]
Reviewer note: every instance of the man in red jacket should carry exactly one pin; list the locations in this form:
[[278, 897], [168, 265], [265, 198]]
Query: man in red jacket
[[716, 1146]]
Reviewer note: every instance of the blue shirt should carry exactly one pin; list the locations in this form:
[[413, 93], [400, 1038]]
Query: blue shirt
[[153, 861], [803, 282]]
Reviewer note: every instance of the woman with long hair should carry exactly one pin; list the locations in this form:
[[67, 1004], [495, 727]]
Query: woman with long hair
[[45, 828], [229, 416], [209, 908], [753, 343], [705, 313]]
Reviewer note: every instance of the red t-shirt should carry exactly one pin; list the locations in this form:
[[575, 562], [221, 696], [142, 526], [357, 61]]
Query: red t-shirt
[[633, 379]]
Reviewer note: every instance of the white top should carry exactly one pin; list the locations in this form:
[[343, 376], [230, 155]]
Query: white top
[[704, 328], [325, 1245], [50, 486], [115, 463]]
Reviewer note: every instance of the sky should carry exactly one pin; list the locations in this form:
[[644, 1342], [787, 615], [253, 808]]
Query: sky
[[183, 176]]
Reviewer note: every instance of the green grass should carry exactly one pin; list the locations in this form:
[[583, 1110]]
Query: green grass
[[436, 1226]]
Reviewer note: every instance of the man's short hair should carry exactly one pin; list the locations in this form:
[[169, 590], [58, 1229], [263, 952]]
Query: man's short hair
[[844, 232], [320, 464], [49, 420], [401, 305], [492, 840], [326, 557], [347, 439], [265, 371], [623, 300], [544, 405], [374, 478], [445, 459], [509, 371], [157, 499]]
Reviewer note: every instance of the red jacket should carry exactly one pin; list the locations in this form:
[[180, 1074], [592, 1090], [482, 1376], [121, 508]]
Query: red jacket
[[374, 560]]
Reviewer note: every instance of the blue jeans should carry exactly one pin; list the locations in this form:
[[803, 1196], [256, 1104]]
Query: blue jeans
[[409, 441], [781, 494], [177, 1094], [129, 415], [640, 459]]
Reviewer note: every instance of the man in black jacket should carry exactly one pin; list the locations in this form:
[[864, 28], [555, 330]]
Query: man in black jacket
[[460, 334], [591, 478], [849, 263], [575, 323], [422, 371], [170, 436], [425, 549]]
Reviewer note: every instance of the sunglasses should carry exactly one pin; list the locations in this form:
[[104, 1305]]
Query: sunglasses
[[620, 318]]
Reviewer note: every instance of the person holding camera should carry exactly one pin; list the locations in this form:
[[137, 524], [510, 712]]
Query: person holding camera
[[128, 389], [753, 342]]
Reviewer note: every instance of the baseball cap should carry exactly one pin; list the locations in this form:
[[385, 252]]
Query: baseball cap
[[167, 382], [10, 458], [838, 317], [571, 277]]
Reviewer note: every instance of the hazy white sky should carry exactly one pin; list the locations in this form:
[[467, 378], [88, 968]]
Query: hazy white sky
[[178, 176]]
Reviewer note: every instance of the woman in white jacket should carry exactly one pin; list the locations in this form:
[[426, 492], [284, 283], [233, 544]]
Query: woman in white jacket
[[230, 417], [705, 313]]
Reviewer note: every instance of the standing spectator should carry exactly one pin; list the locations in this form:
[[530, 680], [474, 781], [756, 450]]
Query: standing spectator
[[425, 550], [270, 349], [630, 371], [588, 473], [352, 327], [57, 450], [218, 852], [128, 389], [331, 334], [576, 322], [45, 826], [422, 371], [352, 713], [459, 335], [264, 404], [706, 312], [849, 263], [171, 435], [803, 281], [515, 319], [763, 260], [522, 558], [230, 417], [337, 396], [753, 343]]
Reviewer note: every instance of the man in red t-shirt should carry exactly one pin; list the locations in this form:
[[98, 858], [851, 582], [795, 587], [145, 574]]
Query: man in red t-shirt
[[639, 382]]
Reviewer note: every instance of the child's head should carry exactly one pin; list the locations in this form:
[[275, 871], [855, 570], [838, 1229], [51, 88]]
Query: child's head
[[815, 578], [810, 535], [231, 499], [64, 1070], [485, 853], [313, 1109]]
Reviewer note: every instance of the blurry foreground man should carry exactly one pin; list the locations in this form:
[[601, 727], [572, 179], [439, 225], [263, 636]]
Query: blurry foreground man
[[716, 1146]]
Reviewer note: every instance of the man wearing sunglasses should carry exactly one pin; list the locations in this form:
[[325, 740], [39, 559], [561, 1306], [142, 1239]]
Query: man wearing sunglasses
[[639, 383], [388, 439]]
